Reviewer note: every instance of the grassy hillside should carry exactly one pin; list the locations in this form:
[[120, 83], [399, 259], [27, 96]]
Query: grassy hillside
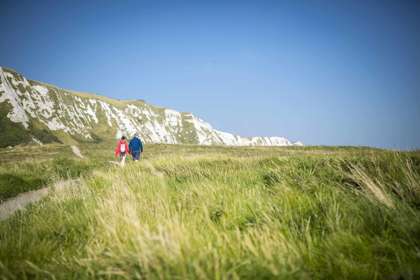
[[191, 212]]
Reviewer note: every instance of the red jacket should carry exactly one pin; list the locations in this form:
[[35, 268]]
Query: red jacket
[[118, 148]]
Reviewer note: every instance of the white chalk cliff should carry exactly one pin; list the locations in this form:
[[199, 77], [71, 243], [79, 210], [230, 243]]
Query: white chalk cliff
[[89, 117]]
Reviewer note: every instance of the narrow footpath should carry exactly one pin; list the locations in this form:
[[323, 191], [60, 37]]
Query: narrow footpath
[[19, 202]]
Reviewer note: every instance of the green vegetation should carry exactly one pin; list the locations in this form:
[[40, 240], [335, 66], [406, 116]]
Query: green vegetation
[[191, 212], [11, 133]]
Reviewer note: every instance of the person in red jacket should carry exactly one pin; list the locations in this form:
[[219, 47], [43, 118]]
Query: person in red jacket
[[121, 150]]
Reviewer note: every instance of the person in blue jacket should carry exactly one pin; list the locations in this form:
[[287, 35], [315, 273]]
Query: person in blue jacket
[[135, 147]]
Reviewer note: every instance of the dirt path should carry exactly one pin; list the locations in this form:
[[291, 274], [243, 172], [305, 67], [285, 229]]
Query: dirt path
[[19, 202], [10, 206], [22, 200]]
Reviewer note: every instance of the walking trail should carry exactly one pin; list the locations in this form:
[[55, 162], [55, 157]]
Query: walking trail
[[10, 206], [19, 202]]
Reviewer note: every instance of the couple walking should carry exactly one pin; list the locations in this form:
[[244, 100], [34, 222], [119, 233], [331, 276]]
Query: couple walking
[[135, 148]]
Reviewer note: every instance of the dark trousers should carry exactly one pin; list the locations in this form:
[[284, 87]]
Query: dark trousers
[[136, 155]]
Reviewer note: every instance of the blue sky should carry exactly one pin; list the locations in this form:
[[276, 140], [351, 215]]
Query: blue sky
[[323, 72]]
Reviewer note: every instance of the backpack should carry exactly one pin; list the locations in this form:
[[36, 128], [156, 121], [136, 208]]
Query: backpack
[[122, 147]]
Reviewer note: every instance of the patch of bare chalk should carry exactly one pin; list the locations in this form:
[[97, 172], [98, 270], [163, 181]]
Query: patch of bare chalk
[[76, 151]]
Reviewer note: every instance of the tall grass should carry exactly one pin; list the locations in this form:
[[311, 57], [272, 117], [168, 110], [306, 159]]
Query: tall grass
[[218, 216]]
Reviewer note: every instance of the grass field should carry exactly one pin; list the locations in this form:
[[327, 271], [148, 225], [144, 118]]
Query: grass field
[[189, 212]]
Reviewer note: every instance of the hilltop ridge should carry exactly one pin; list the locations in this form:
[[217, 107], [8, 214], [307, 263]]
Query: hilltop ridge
[[34, 111]]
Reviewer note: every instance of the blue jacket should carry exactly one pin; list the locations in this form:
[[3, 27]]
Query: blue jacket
[[135, 145]]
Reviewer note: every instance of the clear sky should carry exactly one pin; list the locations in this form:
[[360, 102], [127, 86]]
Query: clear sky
[[323, 72]]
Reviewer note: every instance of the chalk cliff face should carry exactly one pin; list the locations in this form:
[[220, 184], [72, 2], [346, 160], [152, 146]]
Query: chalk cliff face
[[32, 111]]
